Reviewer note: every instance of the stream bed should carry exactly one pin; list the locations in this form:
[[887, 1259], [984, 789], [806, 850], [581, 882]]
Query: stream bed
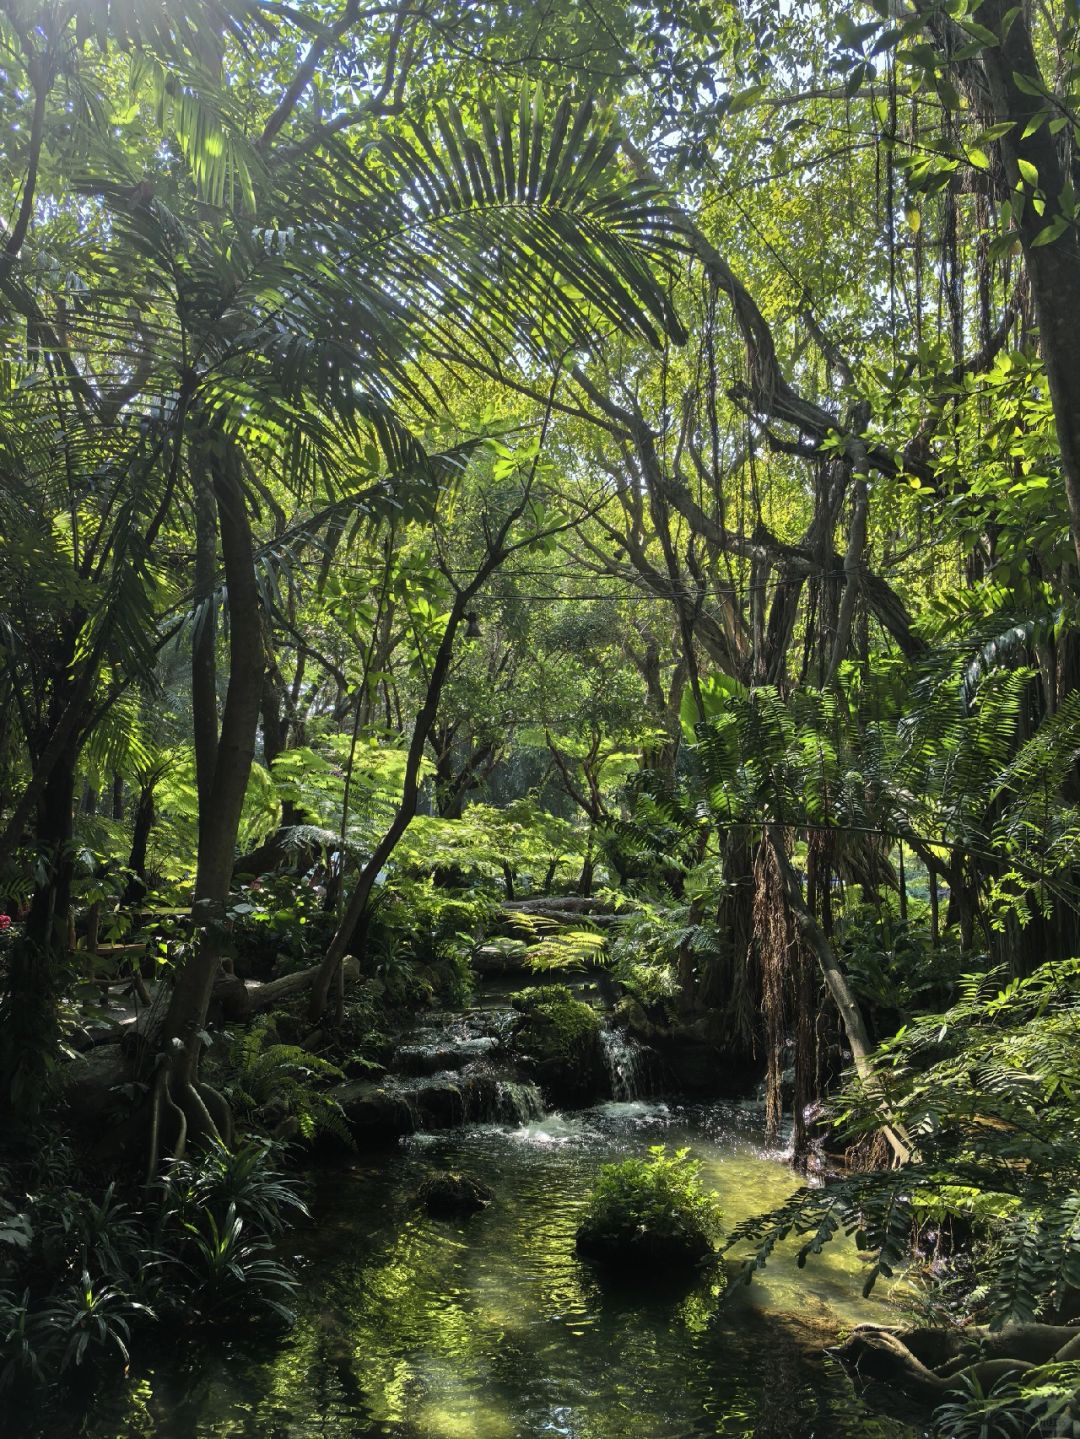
[[410, 1327]]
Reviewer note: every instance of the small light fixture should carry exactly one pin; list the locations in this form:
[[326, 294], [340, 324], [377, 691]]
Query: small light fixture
[[472, 631]]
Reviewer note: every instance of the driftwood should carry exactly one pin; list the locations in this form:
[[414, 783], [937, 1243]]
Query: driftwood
[[925, 1364]]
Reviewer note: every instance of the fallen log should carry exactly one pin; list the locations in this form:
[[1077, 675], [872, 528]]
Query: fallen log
[[238, 999], [576, 904]]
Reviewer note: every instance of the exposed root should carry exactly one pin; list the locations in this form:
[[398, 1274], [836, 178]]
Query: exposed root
[[927, 1364]]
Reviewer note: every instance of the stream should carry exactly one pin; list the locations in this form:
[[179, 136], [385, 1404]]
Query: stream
[[410, 1327]]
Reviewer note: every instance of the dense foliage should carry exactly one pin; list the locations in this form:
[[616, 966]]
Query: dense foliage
[[650, 1212], [593, 489]]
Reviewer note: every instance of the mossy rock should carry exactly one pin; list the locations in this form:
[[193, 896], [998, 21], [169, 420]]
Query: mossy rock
[[454, 1195], [631, 1248], [557, 1041], [650, 1215]]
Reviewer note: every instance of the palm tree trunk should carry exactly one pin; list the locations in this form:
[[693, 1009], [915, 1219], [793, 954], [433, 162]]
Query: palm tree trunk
[[221, 802]]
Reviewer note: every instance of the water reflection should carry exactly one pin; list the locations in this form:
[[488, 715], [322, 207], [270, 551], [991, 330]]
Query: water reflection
[[414, 1328]]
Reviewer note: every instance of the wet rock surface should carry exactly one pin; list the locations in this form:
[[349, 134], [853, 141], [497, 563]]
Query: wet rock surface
[[454, 1195], [505, 1062]]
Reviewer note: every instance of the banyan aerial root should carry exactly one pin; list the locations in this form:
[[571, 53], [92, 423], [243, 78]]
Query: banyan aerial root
[[927, 1364]]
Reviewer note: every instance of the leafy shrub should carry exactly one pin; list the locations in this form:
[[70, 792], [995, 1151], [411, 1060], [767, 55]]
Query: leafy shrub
[[279, 1085], [199, 1243], [645, 950], [895, 968], [652, 1211], [218, 1219], [278, 922], [242, 1179], [1043, 1401], [214, 1271], [88, 1320], [987, 1093]]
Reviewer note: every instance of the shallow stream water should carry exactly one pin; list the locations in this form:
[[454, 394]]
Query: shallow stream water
[[490, 1328]]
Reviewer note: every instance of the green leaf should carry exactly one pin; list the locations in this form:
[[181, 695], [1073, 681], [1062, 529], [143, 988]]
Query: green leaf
[[1056, 228]]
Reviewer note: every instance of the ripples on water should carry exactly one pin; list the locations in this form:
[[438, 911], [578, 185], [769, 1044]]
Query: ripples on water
[[414, 1328]]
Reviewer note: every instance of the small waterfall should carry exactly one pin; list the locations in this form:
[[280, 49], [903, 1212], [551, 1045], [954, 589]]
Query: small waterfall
[[517, 1101], [627, 1064]]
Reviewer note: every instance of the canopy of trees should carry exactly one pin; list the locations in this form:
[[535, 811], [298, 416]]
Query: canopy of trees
[[454, 456]]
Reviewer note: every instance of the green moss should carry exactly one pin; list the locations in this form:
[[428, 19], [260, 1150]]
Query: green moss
[[650, 1211], [573, 1025], [557, 1041]]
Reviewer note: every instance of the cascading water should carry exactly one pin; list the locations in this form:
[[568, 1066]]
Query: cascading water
[[517, 1102], [627, 1064], [451, 1071]]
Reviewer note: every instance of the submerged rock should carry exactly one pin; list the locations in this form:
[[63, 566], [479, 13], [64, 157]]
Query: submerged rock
[[454, 1195]]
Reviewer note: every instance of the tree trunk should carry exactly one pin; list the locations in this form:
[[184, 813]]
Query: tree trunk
[[29, 1013], [201, 1112], [836, 983], [135, 889], [1007, 86], [356, 909]]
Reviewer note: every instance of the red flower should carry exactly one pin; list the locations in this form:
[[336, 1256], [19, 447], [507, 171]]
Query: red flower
[[5, 922]]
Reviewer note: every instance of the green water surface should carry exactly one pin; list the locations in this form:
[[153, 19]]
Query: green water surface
[[491, 1328]]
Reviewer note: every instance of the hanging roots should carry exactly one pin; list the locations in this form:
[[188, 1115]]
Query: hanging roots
[[788, 1000]]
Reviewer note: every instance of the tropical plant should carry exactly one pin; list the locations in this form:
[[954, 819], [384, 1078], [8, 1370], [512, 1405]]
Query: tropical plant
[[986, 1092], [277, 1083], [652, 1209]]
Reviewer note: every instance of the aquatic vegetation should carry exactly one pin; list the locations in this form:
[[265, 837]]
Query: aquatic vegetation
[[653, 1213]]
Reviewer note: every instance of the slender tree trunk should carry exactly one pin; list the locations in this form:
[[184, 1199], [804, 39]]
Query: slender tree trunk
[[356, 909], [200, 1111], [135, 889], [1007, 86], [29, 1013]]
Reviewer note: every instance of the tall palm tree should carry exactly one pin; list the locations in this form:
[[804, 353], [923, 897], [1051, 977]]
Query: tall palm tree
[[232, 318]]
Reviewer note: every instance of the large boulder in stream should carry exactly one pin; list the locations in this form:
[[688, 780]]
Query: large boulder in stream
[[375, 1113], [556, 1041], [454, 1195]]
